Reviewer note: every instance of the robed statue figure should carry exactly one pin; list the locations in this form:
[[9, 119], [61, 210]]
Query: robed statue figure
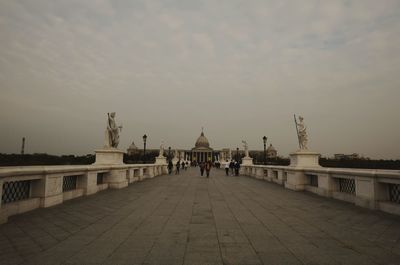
[[112, 132]]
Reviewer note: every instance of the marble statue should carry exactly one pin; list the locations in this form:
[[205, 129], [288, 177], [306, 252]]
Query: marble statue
[[246, 148], [112, 132], [302, 134], [161, 149]]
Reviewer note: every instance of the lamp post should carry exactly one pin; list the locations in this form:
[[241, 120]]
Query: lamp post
[[265, 149], [237, 154], [144, 148], [169, 153]]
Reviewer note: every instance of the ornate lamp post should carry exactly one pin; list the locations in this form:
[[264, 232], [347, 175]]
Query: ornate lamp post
[[237, 154], [265, 149], [144, 148]]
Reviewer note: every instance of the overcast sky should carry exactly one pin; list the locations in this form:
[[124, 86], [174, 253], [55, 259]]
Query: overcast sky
[[241, 69]]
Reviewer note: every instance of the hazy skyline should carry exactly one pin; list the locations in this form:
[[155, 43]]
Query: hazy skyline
[[167, 68]]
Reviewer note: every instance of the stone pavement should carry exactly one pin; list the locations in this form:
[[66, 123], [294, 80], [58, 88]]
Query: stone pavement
[[188, 219]]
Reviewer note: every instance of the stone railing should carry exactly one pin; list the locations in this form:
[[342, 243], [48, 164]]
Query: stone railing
[[26, 188], [374, 189]]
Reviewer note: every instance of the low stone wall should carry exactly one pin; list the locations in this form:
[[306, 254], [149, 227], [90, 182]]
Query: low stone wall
[[373, 189], [26, 188]]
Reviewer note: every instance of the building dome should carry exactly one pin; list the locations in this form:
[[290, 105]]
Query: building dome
[[271, 152], [132, 149], [133, 146], [202, 141], [271, 148]]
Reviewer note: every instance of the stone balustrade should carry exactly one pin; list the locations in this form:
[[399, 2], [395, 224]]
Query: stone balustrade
[[26, 188], [373, 189]]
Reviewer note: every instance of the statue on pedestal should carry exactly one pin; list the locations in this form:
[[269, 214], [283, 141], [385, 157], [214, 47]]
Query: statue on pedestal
[[246, 148], [161, 149], [301, 133], [112, 132]]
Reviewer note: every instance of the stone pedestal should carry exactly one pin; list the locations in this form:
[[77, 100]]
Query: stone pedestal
[[161, 160], [109, 157], [116, 179], [304, 159], [296, 179], [247, 161]]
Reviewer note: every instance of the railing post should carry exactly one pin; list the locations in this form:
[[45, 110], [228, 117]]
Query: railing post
[[366, 192], [3, 214], [49, 189], [326, 185], [88, 183], [116, 179]]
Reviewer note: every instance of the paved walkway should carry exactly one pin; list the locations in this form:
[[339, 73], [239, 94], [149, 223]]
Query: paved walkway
[[188, 219]]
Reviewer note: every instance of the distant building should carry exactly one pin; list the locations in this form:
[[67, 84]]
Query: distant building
[[271, 152], [347, 156], [202, 151], [132, 150]]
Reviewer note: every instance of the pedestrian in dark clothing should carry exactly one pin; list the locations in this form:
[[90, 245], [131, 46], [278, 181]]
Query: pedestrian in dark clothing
[[170, 167], [183, 165], [178, 165], [202, 166], [237, 167], [232, 167], [208, 168]]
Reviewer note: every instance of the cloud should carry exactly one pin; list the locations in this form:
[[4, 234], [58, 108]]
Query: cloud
[[242, 67]]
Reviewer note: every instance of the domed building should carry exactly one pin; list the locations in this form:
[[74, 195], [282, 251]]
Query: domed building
[[202, 151], [132, 149], [271, 152]]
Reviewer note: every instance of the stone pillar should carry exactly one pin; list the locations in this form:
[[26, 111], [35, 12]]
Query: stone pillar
[[260, 173], [88, 183], [326, 185], [116, 179], [296, 179], [49, 189], [141, 174], [3, 214], [366, 192]]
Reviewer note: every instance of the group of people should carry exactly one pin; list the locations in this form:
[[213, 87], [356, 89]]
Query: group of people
[[178, 166], [232, 167], [205, 166]]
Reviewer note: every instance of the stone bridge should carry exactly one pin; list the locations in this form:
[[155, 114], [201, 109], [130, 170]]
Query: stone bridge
[[189, 219]]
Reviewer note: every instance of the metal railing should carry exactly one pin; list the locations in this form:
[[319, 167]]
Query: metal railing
[[15, 191]]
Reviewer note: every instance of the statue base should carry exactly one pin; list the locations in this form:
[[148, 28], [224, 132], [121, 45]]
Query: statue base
[[296, 179], [161, 160], [110, 156], [304, 158], [247, 161]]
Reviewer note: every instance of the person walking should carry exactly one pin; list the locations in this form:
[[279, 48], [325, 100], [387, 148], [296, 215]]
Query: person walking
[[178, 165], [232, 167], [237, 167], [208, 168], [170, 167], [183, 165], [227, 168], [186, 165], [202, 166]]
